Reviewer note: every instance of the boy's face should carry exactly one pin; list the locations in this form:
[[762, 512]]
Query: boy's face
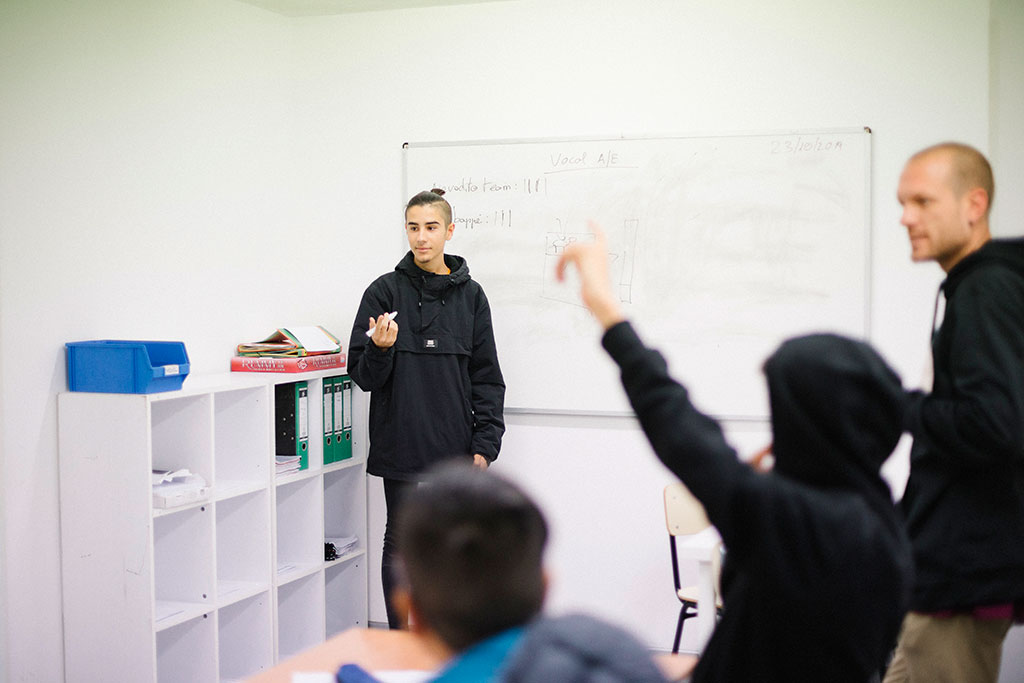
[[427, 233]]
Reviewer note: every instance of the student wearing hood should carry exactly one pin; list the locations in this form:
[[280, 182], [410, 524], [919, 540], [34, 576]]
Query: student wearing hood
[[818, 568]]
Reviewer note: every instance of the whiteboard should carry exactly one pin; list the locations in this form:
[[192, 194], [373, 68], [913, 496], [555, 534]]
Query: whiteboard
[[720, 248]]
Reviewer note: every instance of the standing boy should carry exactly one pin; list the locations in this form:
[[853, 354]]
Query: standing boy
[[437, 389], [964, 501]]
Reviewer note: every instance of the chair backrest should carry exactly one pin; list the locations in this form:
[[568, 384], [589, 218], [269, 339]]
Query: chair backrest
[[684, 514]]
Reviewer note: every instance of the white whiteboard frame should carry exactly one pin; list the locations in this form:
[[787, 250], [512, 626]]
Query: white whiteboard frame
[[867, 232]]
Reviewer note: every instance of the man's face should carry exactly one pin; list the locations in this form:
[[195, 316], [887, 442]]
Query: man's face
[[936, 219], [427, 233]]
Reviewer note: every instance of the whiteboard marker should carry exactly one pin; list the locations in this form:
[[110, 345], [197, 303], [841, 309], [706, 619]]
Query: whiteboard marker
[[391, 316]]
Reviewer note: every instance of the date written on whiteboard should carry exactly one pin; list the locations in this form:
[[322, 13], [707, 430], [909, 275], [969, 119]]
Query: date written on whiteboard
[[800, 144]]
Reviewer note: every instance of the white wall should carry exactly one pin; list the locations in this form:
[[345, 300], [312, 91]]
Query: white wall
[[1007, 111], [148, 191], [205, 170], [656, 67], [1006, 143]]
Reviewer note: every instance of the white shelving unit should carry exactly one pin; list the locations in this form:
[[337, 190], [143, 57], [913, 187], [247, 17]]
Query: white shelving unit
[[218, 589]]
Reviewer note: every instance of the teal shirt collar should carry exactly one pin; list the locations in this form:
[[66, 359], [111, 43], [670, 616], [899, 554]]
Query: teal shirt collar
[[482, 662]]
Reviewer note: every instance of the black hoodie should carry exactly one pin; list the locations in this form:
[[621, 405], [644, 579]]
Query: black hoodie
[[818, 570], [964, 500], [438, 392]]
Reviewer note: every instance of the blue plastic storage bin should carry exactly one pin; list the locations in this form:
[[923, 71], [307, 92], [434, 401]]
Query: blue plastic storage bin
[[126, 367]]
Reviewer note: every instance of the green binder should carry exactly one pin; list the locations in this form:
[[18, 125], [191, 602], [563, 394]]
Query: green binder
[[328, 413], [342, 418]]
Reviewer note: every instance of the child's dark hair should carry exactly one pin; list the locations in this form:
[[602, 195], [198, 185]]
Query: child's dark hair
[[434, 196], [471, 545]]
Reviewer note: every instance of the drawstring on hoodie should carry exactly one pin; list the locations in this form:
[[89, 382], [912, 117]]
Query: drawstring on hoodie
[[935, 311], [438, 288]]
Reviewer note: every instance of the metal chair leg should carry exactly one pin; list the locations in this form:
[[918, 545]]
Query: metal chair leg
[[679, 630]]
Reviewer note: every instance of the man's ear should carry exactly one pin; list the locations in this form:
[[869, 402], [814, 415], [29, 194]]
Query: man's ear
[[976, 200]]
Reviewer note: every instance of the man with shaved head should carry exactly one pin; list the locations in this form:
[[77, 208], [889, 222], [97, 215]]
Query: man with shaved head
[[964, 501]]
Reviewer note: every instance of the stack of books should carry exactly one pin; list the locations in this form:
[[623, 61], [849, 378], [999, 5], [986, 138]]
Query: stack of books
[[290, 349]]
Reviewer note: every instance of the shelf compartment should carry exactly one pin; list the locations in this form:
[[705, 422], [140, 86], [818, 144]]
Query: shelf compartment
[[300, 615], [241, 434], [183, 564], [186, 652], [243, 547], [246, 637], [300, 537], [345, 504], [345, 595], [182, 435]]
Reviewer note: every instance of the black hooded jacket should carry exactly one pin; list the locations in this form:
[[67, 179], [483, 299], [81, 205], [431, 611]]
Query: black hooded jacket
[[438, 392], [964, 501], [818, 569]]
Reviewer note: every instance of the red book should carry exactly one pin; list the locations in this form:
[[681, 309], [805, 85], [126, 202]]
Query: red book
[[324, 361]]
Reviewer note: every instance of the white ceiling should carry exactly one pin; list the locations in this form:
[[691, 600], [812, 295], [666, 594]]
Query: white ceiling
[[303, 8]]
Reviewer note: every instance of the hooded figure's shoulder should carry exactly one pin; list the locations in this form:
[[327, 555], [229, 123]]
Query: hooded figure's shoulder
[[577, 647]]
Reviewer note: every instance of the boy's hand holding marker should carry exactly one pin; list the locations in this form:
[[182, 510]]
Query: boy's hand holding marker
[[384, 330]]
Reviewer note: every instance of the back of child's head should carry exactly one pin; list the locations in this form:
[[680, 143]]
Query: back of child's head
[[471, 545]]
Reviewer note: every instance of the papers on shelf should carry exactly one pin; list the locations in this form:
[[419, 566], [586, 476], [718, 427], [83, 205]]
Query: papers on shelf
[[293, 341], [178, 487], [343, 544], [161, 476], [284, 464]]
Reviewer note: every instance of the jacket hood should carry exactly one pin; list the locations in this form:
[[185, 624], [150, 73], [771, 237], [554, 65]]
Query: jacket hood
[[432, 281], [837, 412], [432, 288], [1009, 251]]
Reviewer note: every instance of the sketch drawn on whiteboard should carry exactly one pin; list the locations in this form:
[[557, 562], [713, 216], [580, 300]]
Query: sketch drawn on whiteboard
[[621, 258]]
